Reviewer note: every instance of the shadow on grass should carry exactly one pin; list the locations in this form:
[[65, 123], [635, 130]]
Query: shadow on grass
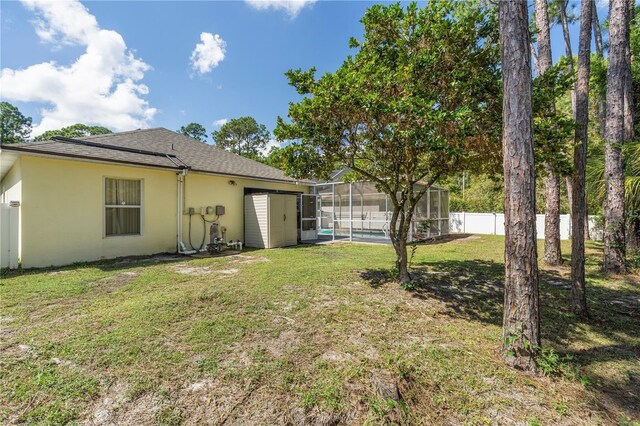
[[377, 277], [473, 290]]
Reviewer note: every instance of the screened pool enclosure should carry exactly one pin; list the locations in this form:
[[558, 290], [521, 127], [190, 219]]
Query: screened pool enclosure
[[358, 212]]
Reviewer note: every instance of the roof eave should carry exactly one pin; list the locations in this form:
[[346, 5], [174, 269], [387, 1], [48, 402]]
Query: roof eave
[[39, 153]]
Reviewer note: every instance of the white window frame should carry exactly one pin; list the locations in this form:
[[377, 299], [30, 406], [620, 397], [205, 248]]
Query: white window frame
[[105, 206]]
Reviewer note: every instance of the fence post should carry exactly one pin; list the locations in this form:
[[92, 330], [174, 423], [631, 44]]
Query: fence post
[[464, 222], [495, 225]]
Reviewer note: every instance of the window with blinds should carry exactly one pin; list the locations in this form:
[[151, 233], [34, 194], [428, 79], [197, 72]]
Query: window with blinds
[[122, 202]]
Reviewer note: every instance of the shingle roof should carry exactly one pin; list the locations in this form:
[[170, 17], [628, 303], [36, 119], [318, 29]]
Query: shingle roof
[[180, 150]]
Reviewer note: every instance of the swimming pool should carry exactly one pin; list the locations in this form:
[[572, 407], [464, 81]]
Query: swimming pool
[[355, 234]]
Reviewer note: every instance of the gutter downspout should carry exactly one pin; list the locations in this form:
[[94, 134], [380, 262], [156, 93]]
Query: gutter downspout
[[182, 249]]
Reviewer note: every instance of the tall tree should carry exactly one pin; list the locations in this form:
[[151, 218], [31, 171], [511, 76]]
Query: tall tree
[[14, 126], [578, 286], [552, 251], [617, 74], [411, 106], [242, 136], [564, 17], [77, 130], [632, 181], [521, 323], [628, 82], [195, 131], [562, 11], [597, 31], [596, 186]]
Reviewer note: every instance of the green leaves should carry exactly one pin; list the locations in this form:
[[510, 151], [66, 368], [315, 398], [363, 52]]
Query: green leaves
[[553, 129], [242, 136], [303, 81], [77, 130], [14, 127], [405, 106], [195, 131]]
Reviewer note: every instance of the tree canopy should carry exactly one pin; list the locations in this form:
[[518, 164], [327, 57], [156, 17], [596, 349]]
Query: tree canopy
[[14, 126], [242, 136], [195, 131], [418, 101], [77, 130]]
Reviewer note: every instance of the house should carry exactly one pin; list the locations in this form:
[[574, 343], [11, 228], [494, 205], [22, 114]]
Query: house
[[156, 191], [132, 193]]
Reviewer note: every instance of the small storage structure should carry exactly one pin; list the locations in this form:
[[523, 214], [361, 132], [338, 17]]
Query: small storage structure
[[270, 220]]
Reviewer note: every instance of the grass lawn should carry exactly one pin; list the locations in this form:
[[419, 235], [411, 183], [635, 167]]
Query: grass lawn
[[310, 335]]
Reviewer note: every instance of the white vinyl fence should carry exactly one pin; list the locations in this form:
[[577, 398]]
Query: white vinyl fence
[[493, 223]]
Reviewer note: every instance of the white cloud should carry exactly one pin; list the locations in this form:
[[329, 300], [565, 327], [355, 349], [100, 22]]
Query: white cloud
[[102, 86], [292, 7], [220, 122], [209, 53]]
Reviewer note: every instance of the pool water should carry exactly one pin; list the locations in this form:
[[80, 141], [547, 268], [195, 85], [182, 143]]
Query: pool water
[[356, 234]]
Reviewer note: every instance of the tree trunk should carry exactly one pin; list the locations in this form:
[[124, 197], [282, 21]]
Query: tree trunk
[[569, 53], [578, 286], [399, 233], [569, 182], [401, 261], [587, 231], [521, 323], [633, 224], [633, 233], [552, 251], [567, 47], [602, 109], [628, 82], [614, 209]]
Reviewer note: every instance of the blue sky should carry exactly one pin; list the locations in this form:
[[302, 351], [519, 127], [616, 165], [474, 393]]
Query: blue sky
[[127, 65]]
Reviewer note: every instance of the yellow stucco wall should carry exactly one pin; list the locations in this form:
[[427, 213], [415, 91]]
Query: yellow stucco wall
[[206, 190], [62, 211]]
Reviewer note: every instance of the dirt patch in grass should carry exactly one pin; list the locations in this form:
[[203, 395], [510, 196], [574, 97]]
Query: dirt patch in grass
[[114, 282], [337, 357], [288, 340], [246, 259], [209, 401], [141, 410], [105, 406], [199, 271], [18, 351], [55, 273]]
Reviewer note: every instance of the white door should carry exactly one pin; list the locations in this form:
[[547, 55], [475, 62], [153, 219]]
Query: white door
[[276, 221], [283, 220], [290, 220]]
